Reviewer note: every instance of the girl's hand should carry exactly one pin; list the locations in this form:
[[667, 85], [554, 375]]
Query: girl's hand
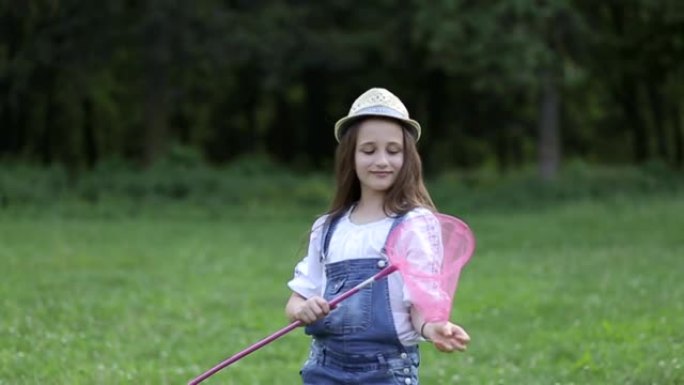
[[446, 336], [311, 310]]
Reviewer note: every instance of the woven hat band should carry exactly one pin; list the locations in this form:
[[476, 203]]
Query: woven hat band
[[381, 111]]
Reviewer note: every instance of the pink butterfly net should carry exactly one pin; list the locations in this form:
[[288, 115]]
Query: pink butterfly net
[[430, 252]]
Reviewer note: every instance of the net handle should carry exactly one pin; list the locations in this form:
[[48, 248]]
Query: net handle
[[260, 344]]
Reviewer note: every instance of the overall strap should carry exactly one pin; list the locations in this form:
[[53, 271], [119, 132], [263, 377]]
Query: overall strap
[[397, 220], [328, 229]]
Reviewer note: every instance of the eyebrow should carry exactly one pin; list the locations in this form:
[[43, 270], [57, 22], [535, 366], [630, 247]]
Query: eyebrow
[[373, 143]]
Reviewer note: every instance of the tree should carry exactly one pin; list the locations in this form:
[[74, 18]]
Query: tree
[[636, 50], [505, 49]]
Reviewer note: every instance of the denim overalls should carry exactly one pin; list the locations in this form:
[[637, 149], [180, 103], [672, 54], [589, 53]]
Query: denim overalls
[[357, 344]]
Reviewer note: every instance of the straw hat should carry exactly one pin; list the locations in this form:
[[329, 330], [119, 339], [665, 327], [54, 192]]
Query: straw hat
[[377, 102]]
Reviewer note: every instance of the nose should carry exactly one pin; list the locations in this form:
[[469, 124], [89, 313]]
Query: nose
[[381, 161]]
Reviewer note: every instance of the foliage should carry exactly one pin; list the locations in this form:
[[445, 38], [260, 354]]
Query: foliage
[[256, 182], [524, 190], [82, 83]]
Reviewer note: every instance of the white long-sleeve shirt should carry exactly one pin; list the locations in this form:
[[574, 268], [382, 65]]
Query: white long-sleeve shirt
[[420, 243]]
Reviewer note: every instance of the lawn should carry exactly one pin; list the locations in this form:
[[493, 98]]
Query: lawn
[[587, 292]]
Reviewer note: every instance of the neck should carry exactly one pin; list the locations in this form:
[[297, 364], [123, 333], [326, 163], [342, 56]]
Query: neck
[[371, 207]]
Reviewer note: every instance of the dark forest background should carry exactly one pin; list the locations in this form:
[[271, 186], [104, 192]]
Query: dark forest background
[[504, 84]]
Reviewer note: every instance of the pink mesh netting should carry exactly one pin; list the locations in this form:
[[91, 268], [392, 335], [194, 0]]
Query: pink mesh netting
[[430, 251]]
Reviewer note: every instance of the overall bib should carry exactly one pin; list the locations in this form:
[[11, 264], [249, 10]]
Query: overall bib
[[357, 343]]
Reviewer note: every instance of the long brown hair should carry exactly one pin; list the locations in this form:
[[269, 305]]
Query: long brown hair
[[406, 193]]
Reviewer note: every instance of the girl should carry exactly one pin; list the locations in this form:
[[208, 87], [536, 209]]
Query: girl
[[372, 337]]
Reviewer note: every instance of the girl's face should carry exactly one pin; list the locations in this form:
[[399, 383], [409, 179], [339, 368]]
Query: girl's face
[[379, 154]]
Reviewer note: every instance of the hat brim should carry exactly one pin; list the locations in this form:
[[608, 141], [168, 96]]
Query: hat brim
[[344, 123]]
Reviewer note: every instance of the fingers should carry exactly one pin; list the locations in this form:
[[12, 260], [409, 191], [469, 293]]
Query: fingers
[[450, 346], [450, 337], [313, 309], [461, 335], [321, 304]]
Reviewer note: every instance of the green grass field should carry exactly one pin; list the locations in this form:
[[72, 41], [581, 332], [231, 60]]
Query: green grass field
[[575, 293]]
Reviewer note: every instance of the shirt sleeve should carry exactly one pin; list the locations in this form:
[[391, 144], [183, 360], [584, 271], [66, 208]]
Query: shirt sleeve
[[424, 254], [308, 273]]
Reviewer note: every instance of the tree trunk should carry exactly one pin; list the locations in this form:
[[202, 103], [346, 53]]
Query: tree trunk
[[7, 129], [46, 150], [626, 90], [502, 147], [436, 99], [279, 138], [319, 131], [89, 142], [249, 140], [156, 70], [154, 137], [678, 136], [655, 98], [627, 96], [12, 126], [518, 134], [549, 127]]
